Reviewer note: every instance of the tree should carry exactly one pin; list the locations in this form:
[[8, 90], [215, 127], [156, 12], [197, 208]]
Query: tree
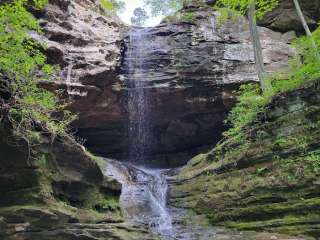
[[255, 9], [112, 5], [139, 18], [305, 26], [164, 7], [258, 57]]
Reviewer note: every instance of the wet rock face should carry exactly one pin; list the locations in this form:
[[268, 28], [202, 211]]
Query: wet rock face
[[54, 196], [194, 63], [285, 18], [191, 68]]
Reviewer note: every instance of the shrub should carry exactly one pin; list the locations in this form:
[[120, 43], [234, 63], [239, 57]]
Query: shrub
[[23, 63]]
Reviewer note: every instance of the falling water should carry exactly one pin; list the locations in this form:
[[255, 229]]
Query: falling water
[[73, 88], [143, 196], [138, 98], [144, 191], [68, 80]]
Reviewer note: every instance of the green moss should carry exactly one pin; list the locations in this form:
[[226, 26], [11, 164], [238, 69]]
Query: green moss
[[188, 17], [96, 200], [99, 160], [294, 225], [182, 16]]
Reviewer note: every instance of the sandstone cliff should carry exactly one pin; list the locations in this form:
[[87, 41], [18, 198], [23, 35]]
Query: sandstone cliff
[[273, 184], [194, 64]]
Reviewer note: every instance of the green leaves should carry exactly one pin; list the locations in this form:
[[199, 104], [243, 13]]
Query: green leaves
[[164, 7], [19, 56], [304, 67], [242, 6], [22, 60], [110, 6], [106, 4], [251, 102]]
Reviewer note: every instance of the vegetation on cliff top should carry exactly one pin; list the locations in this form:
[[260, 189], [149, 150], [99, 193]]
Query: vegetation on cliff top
[[111, 6], [252, 101]]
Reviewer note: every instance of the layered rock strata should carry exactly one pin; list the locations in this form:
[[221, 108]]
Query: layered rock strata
[[270, 185], [194, 64]]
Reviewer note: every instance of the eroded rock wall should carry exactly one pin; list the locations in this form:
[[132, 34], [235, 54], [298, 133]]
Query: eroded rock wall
[[194, 64], [271, 185], [87, 45]]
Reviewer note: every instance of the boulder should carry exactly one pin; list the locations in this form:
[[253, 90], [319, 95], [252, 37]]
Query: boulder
[[285, 18]]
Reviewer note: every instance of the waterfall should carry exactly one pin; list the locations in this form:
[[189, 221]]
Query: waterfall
[[72, 87], [139, 132], [143, 196], [144, 191], [68, 79]]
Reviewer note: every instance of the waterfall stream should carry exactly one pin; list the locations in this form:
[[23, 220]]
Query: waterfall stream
[[143, 202], [143, 198], [139, 129], [144, 190]]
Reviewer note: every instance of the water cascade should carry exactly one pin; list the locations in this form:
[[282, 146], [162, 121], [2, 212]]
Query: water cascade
[[143, 198], [144, 190], [139, 128]]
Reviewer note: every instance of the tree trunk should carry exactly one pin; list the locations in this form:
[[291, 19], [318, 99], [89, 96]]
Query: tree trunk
[[302, 18], [258, 57], [305, 26]]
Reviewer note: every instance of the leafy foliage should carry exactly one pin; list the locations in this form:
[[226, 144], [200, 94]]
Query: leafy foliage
[[314, 159], [305, 65], [251, 102], [165, 7], [188, 17], [262, 6], [139, 18], [23, 63], [106, 4], [19, 55], [112, 5]]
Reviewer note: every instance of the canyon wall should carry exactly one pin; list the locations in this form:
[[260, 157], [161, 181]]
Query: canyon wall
[[195, 62]]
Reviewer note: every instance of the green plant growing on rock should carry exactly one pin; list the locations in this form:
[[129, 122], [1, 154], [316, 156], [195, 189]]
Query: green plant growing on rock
[[99, 160], [22, 67], [252, 101], [314, 159], [188, 17], [112, 6], [306, 28]]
